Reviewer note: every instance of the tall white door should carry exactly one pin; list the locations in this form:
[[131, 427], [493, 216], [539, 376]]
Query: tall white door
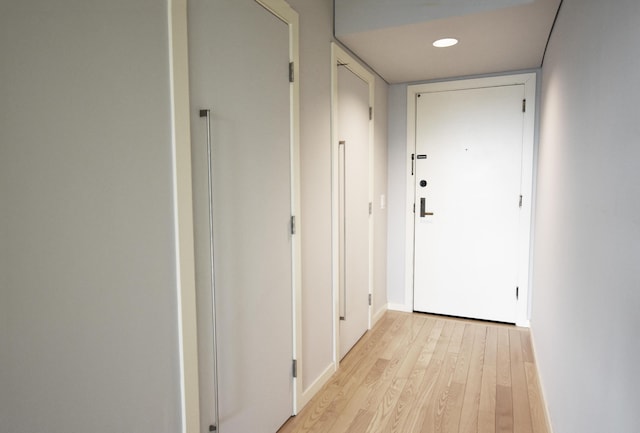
[[242, 77], [353, 174], [467, 201]]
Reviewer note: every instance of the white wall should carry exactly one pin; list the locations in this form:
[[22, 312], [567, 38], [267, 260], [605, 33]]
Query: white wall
[[88, 291], [397, 188], [380, 193], [586, 301], [89, 324], [315, 155], [316, 27]]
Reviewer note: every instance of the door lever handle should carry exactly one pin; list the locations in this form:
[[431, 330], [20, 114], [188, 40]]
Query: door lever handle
[[423, 206]]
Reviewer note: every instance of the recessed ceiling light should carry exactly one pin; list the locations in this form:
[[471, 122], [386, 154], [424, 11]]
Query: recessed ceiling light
[[445, 42]]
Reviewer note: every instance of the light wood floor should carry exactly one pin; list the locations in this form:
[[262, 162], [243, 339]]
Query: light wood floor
[[421, 373]]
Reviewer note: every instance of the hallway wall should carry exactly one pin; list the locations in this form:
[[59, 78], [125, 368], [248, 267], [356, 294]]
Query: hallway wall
[[316, 33], [88, 294], [315, 172], [397, 187], [380, 198], [586, 277]]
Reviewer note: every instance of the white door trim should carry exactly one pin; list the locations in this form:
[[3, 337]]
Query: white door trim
[[524, 250], [183, 207], [183, 215], [338, 55], [286, 13]]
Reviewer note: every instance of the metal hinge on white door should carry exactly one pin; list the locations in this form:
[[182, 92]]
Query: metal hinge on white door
[[294, 368], [370, 208], [520, 204], [517, 293], [293, 224], [291, 73], [370, 113], [370, 299], [524, 105]]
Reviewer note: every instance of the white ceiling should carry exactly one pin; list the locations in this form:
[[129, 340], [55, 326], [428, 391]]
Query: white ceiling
[[394, 36]]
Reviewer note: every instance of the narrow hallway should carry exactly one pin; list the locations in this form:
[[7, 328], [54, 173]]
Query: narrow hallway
[[423, 373]]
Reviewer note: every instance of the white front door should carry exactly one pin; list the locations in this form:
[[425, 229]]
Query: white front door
[[468, 167], [353, 173], [243, 78]]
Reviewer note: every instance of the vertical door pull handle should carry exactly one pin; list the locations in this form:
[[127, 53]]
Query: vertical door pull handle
[[342, 273], [207, 115]]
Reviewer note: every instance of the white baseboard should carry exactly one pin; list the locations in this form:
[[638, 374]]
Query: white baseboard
[[543, 395], [400, 307], [313, 389], [378, 315]]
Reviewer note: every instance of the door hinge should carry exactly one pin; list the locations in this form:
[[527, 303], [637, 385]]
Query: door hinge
[[370, 208], [520, 204], [213, 428], [370, 113], [291, 73], [294, 368], [517, 293], [293, 224], [369, 298], [413, 159], [524, 105], [414, 208]]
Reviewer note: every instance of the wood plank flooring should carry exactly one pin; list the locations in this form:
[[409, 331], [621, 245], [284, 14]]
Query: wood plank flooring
[[430, 374]]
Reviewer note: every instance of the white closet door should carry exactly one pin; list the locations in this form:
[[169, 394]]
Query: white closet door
[[353, 133], [242, 77]]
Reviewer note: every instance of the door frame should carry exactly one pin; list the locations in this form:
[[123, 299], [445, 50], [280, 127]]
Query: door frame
[[183, 215], [183, 204], [282, 10], [525, 229], [340, 56]]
